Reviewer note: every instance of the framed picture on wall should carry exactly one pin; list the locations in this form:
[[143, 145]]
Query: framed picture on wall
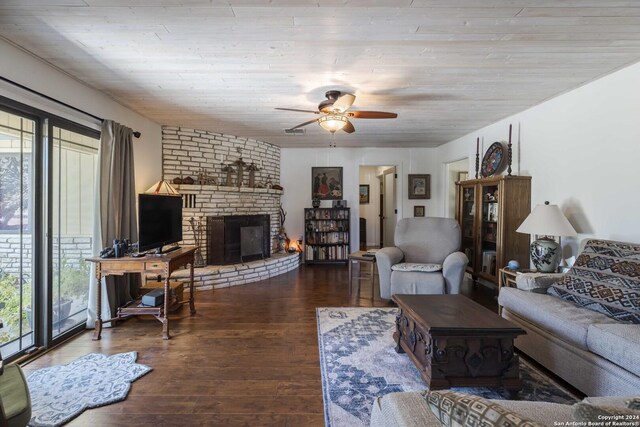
[[418, 211], [364, 194], [326, 183], [419, 186]]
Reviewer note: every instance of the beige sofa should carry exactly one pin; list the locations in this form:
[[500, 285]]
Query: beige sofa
[[598, 355], [592, 352], [409, 409]]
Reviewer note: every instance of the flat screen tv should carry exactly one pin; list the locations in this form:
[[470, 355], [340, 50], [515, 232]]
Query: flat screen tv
[[159, 221]]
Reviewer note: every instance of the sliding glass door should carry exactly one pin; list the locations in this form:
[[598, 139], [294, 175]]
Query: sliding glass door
[[75, 161], [17, 141], [48, 169]]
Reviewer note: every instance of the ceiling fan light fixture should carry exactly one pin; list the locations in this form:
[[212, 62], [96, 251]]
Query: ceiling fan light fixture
[[333, 122]]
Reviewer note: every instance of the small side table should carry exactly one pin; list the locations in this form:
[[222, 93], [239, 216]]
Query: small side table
[[507, 278], [360, 258]]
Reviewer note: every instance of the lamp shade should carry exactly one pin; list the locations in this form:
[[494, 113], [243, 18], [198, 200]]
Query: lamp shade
[[547, 220], [162, 187], [333, 122]]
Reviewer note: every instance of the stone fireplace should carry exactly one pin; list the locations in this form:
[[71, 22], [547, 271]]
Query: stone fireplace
[[192, 152]]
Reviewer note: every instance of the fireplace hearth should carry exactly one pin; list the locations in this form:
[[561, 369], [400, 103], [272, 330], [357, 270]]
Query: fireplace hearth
[[235, 239]]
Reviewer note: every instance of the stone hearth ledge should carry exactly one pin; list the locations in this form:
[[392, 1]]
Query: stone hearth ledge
[[224, 276]]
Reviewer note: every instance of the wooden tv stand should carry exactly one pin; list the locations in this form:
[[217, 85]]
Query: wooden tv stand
[[163, 264]]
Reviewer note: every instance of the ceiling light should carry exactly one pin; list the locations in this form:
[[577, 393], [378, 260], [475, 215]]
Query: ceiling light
[[333, 122]]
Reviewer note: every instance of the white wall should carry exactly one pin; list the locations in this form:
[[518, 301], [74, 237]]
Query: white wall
[[23, 68], [295, 176], [582, 150]]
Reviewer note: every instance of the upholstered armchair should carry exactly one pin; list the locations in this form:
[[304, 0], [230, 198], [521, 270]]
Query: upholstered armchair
[[15, 401], [425, 260]]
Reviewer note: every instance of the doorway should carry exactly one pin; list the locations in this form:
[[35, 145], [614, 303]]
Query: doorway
[[388, 209], [377, 212], [454, 172]]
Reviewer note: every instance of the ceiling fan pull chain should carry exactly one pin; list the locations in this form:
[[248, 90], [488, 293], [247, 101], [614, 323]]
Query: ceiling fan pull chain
[[332, 141]]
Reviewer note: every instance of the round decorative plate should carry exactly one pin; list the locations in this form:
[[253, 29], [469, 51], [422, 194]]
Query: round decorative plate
[[492, 160]]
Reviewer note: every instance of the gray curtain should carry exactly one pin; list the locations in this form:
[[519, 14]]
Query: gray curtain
[[117, 207]]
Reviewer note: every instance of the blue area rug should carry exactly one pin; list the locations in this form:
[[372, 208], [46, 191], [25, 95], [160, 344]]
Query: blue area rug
[[359, 363], [61, 393]]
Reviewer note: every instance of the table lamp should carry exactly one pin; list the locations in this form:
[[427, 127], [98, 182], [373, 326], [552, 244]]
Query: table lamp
[[162, 187], [546, 221]]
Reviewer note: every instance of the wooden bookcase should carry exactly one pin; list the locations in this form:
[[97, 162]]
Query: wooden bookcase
[[326, 235], [489, 210]]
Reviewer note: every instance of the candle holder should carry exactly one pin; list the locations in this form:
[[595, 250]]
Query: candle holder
[[229, 170], [477, 156], [509, 153], [252, 168], [240, 164]]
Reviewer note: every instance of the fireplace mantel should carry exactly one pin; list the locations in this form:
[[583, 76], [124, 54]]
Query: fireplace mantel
[[191, 188]]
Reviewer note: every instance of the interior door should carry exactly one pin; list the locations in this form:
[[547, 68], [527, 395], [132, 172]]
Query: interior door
[[381, 214], [455, 171], [389, 203]]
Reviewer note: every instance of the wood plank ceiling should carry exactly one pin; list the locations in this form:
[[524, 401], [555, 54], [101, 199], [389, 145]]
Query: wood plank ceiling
[[447, 67]]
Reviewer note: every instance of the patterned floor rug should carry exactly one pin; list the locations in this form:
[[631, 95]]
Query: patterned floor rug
[[359, 363], [61, 393]]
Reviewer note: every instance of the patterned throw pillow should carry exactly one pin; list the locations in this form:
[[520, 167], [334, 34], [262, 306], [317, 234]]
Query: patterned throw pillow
[[634, 404], [582, 411], [454, 409], [415, 266], [605, 278]]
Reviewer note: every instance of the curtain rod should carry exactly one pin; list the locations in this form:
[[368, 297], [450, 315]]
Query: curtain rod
[[136, 133]]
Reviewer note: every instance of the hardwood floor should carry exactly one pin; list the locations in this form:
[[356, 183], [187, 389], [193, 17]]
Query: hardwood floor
[[248, 357]]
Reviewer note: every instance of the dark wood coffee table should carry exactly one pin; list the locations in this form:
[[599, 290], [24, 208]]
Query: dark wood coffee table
[[455, 342]]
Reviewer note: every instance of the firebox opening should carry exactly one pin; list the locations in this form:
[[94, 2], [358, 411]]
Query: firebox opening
[[234, 239], [251, 242]]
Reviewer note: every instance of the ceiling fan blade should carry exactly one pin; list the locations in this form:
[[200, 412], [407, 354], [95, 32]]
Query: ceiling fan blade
[[304, 124], [300, 111], [371, 115], [343, 102], [349, 128]]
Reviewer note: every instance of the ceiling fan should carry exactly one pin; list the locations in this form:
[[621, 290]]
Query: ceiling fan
[[333, 113]]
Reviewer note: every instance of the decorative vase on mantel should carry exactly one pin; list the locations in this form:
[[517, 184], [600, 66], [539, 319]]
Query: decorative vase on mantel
[[281, 241]]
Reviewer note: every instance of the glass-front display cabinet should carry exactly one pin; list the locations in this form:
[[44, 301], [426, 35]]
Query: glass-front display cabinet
[[489, 210], [467, 220]]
